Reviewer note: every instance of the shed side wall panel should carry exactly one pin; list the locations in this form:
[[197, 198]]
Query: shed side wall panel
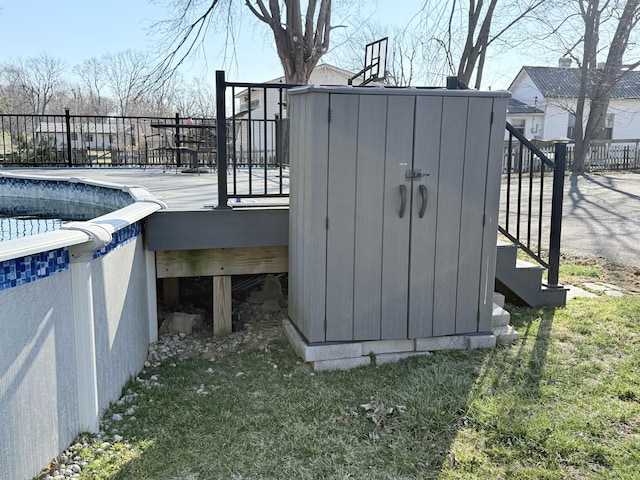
[[471, 218]]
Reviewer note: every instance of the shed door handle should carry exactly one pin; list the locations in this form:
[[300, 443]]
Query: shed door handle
[[423, 193], [403, 200]]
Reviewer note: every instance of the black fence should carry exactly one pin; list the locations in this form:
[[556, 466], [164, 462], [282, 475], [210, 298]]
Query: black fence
[[83, 141], [532, 196], [603, 155], [253, 143]]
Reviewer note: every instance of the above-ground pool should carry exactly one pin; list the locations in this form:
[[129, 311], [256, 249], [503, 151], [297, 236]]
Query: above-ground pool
[[77, 312]]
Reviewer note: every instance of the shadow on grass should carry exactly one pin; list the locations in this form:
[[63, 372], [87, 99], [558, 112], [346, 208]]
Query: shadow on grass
[[536, 326], [252, 419]]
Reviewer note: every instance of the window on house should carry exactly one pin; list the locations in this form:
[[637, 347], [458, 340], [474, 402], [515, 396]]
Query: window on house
[[519, 124], [74, 136], [608, 126], [571, 127]]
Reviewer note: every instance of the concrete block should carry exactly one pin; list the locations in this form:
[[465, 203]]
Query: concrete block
[[319, 352], [506, 335], [396, 357], [498, 299], [453, 342], [341, 363], [499, 317], [482, 341], [388, 346]]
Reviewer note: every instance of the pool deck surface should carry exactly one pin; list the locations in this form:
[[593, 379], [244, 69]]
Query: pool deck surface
[[601, 212], [177, 190]]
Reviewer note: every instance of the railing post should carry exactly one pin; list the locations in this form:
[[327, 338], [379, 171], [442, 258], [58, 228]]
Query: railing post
[[67, 120], [221, 140], [178, 157], [560, 159]]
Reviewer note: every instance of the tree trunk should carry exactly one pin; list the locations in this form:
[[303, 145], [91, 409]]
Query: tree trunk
[[597, 84], [300, 44]]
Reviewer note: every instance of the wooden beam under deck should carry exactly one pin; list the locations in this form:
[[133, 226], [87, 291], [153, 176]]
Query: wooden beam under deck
[[221, 263]]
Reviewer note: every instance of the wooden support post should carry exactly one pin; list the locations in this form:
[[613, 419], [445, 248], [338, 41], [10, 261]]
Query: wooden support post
[[171, 291], [221, 305]]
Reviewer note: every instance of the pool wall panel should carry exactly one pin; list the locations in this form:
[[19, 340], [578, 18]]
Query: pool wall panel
[[38, 387], [121, 326]]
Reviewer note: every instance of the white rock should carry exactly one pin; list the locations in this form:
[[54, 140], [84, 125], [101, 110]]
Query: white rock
[[76, 468], [178, 322], [154, 378], [116, 417], [117, 438]]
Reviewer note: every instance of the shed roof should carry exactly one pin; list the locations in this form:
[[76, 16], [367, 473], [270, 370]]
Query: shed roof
[[556, 82]]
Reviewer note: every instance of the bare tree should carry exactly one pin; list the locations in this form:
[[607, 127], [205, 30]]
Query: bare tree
[[90, 93], [480, 25], [406, 52], [125, 74], [597, 82], [301, 35], [31, 83]]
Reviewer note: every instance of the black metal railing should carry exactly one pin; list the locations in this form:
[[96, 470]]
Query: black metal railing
[[252, 146], [84, 140], [531, 205]]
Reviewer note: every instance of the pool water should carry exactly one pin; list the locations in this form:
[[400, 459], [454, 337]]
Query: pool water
[[22, 217], [24, 226]]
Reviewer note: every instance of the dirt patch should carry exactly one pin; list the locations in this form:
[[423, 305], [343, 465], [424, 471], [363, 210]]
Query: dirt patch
[[627, 277]]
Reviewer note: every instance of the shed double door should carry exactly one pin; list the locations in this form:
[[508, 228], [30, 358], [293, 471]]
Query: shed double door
[[410, 206]]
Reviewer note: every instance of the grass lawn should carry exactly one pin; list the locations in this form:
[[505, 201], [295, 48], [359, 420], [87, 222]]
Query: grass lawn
[[562, 403]]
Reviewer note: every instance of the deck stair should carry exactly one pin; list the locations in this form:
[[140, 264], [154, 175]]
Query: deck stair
[[524, 279]]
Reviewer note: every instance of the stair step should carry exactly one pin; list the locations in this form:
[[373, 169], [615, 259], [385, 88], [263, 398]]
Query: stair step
[[499, 317], [524, 278], [505, 334], [525, 264], [498, 299]]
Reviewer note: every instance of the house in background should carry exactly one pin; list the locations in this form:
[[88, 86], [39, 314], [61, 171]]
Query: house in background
[[259, 115], [527, 119], [554, 92], [96, 136], [7, 143]]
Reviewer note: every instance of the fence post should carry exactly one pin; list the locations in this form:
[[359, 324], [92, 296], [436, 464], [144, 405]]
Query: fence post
[[221, 140], [67, 120], [560, 159]]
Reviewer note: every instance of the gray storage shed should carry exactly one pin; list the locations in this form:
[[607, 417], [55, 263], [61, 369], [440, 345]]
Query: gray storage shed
[[393, 211]]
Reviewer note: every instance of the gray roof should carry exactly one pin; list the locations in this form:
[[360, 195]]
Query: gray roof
[[516, 106], [555, 82]]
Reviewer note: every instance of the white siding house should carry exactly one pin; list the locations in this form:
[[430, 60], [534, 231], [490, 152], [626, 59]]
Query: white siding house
[[257, 114], [97, 136], [554, 90], [527, 119]]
